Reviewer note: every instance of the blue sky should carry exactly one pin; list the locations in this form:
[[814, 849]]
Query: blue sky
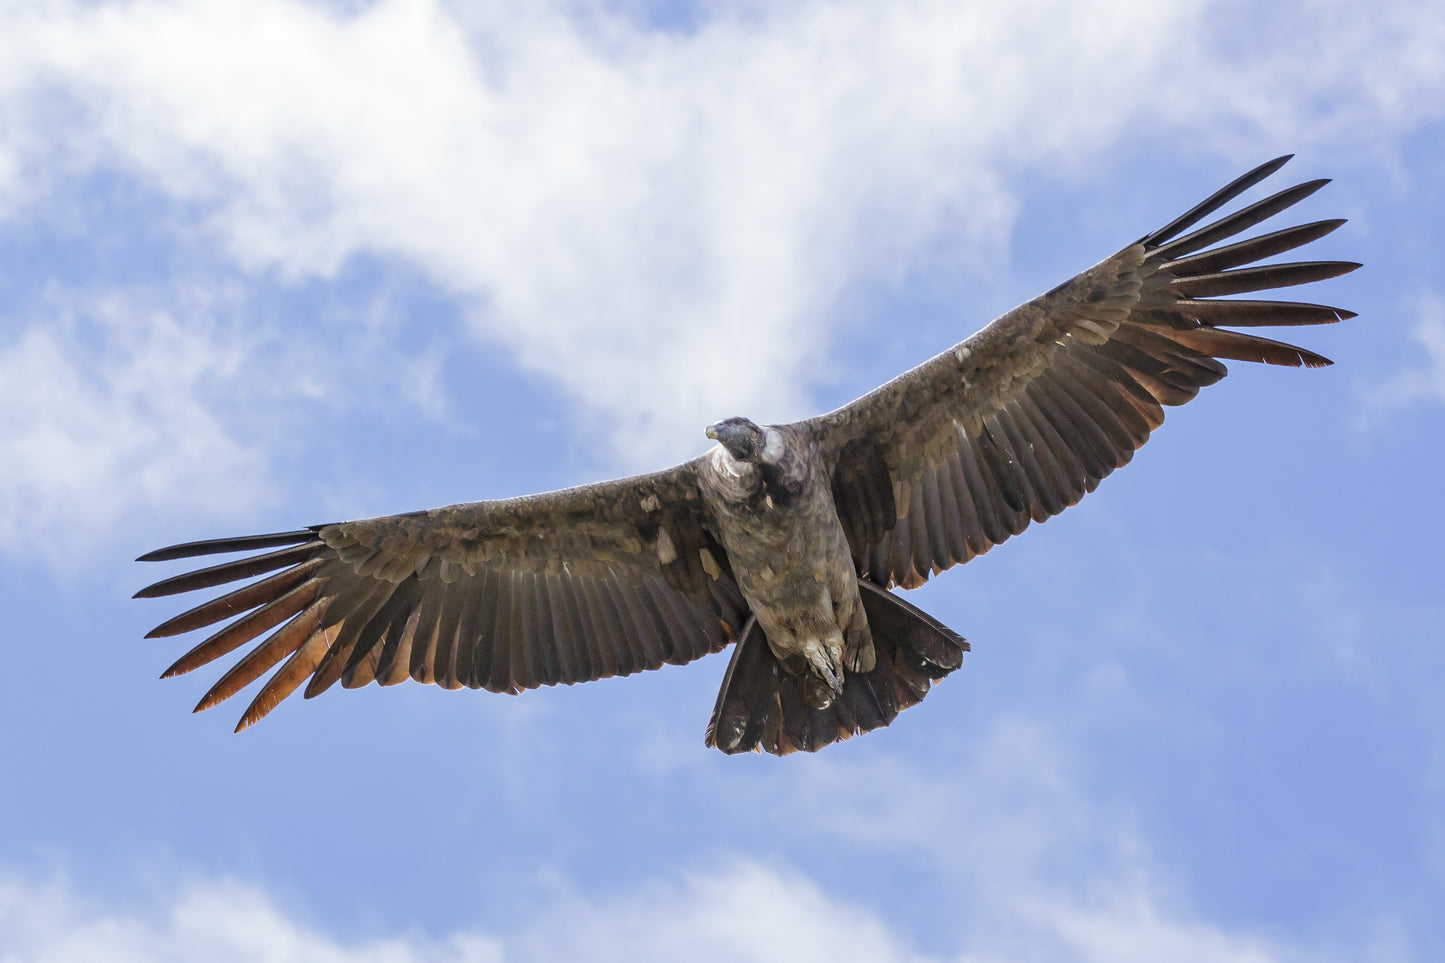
[[286, 263]]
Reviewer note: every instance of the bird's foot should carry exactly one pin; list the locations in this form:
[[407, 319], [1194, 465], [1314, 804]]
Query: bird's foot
[[825, 682]]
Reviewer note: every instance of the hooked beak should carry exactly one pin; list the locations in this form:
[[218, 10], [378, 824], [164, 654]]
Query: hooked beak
[[712, 432]]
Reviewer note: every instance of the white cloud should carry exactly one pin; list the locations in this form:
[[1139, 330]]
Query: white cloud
[[172, 400], [1129, 927], [105, 411], [620, 206], [218, 921], [741, 912]]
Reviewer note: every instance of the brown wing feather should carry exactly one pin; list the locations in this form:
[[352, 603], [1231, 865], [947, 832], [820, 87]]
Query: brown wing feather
[[563, 587], [1019, 421]]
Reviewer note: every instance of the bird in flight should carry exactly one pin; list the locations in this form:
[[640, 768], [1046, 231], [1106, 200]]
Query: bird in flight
[[783, 541]]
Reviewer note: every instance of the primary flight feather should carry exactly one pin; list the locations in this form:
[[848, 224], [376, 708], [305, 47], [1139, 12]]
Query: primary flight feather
[[783, 540]]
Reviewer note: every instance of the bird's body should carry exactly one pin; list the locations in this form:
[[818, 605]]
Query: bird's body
[[778, 524], [783, 541]]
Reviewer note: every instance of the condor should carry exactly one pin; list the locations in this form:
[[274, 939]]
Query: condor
[[784, 541]]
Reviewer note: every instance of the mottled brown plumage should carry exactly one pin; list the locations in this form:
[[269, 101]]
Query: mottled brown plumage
[[783, 539]]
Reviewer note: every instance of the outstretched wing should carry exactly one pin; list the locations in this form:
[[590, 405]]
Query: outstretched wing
[[1020, 420], [601, 580]]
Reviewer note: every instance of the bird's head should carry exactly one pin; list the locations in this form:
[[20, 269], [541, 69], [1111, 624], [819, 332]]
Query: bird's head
[[743, 439]]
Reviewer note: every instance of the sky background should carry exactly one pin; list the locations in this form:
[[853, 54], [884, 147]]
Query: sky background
[[280, 263]]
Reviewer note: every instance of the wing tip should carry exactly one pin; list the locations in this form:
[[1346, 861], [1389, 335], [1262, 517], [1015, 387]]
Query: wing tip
[[223, 546], [186, 663], [170, 553], [220, 692], [1270, 166], [175, 585]]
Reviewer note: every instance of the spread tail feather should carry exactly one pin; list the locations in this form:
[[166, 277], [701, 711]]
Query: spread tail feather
[[761, 705]]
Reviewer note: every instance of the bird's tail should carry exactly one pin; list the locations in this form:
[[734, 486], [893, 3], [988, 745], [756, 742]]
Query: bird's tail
[[761, 704]]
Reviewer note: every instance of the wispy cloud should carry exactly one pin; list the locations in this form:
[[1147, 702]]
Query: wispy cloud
[[1421, 381], [171, 400], [107, 408], [623, 207], [744, 911], [217, 920]]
